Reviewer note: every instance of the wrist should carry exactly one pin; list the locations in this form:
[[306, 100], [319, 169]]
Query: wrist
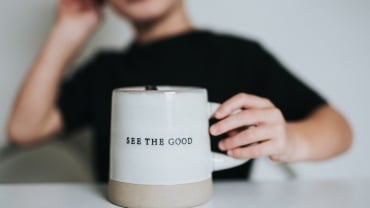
[[60, 47], [71, 35], [296, 148], [63, 42]]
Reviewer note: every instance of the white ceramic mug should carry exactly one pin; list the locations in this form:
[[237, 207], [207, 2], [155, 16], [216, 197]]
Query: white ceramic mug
[[160, 147]]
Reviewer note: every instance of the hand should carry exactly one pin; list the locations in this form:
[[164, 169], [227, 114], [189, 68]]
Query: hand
[[77, 19], [258, 129]]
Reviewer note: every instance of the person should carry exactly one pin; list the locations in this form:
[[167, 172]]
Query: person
[[291, 122]]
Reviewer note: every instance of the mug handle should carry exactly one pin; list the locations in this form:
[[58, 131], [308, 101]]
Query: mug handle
[[221, 161]]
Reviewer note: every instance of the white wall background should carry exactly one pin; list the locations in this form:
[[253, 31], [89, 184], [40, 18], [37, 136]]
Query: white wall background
[[326, 42]]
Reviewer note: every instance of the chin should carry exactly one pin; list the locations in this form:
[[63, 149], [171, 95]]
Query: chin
[[141, 11]]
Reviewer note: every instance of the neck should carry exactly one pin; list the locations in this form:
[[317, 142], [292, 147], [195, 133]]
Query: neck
[[173, 23]]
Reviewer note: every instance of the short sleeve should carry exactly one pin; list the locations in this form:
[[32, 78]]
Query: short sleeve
[[295, 99], [75, 100]]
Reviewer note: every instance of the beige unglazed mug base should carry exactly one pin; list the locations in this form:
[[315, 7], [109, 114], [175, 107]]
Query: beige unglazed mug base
[[159, 196]]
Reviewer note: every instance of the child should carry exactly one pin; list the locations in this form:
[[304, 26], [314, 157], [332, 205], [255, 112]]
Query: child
[[291, 122]]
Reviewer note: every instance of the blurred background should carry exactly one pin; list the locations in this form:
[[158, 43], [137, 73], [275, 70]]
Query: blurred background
[[325, 43]]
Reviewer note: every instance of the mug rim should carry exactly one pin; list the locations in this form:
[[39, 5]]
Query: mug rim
[[161, 89]]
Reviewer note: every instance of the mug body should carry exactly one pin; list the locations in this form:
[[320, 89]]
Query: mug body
[[160, 147]]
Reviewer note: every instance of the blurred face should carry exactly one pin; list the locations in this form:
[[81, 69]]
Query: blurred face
[[140, 11]]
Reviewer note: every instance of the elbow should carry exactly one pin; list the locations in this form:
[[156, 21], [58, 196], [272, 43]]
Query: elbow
[[344, 132], [26, 132], [20, 136], [341, 131], [347, 136]]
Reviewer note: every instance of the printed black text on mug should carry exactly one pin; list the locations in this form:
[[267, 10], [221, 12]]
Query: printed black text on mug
[[146, 141]]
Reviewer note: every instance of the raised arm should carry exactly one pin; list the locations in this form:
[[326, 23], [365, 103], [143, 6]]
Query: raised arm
[[35, 115]]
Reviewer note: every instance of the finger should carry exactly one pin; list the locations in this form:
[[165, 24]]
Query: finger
[[233, 132], [246, 137], [241, 100], [246, 118], [253, 151]]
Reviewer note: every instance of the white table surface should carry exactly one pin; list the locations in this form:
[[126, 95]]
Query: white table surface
[[312, 194]]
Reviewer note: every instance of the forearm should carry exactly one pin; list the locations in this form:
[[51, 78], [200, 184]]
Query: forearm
[[324, 134], [35, 114], [35, 104]]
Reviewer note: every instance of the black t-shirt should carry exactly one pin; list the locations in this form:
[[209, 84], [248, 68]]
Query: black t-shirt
[[223, 64]]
